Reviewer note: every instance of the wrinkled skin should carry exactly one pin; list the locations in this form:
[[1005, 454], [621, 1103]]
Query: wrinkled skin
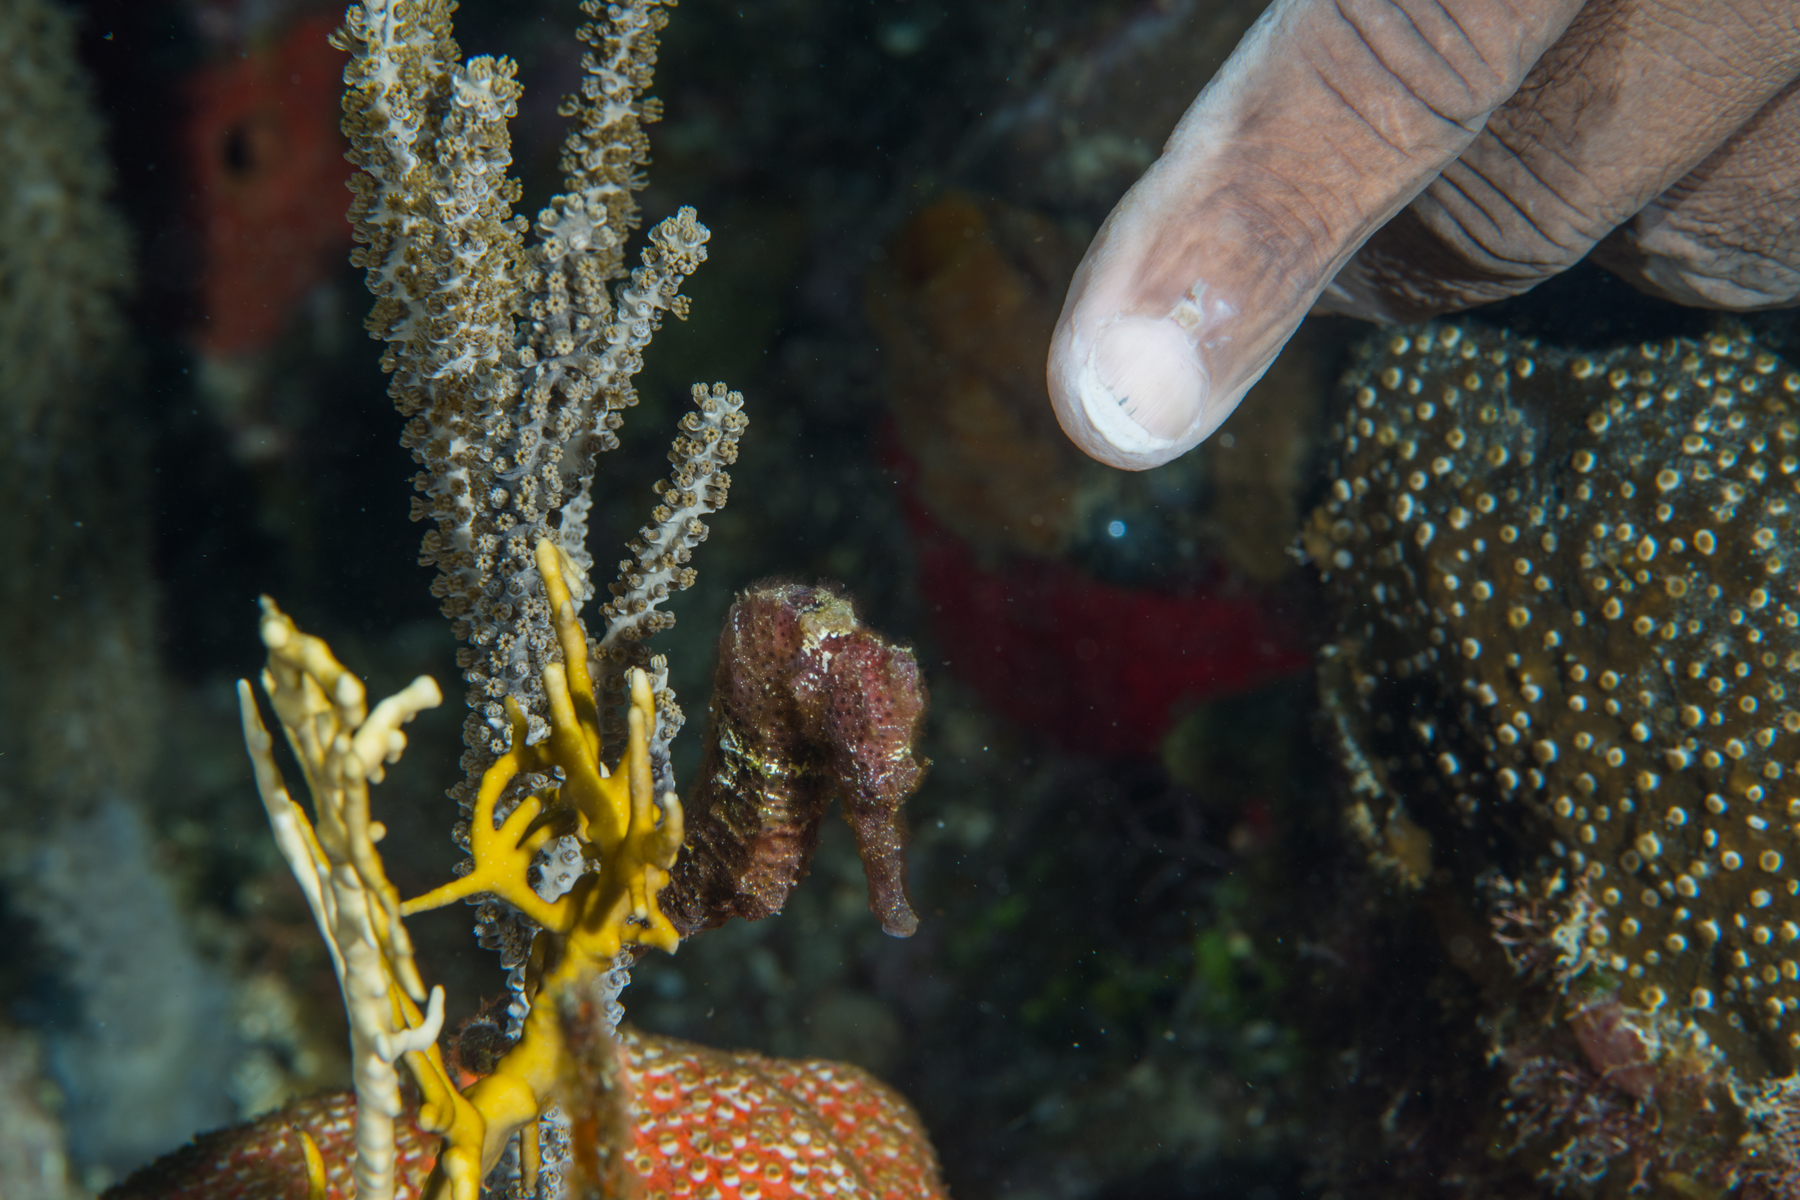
[[1395, 159]]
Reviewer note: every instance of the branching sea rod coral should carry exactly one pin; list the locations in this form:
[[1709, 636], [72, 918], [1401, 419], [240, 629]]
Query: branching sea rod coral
[[1568, 663], [514, 361]]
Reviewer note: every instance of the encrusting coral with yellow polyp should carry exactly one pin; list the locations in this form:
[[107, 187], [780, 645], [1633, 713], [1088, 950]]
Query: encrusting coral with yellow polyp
[[625, 832], [1565, 687]]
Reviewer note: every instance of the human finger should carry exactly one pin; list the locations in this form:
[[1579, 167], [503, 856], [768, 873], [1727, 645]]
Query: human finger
[[1327, 119], [1633, 97], [1728, 234]]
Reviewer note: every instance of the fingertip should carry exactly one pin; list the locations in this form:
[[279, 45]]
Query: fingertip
[[1133, 394], [1149, 372]]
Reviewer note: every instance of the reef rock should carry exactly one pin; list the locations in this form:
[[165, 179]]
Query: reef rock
[[1566, 675]]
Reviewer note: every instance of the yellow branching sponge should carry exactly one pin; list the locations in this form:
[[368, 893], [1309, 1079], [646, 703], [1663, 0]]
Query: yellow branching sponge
[[628, 836]]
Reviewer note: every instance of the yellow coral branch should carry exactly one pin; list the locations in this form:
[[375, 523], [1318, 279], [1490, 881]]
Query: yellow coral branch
[[621, 823], [603, 802], [342, 748], [637, 838], [503, 856], [315, 1166], [551, 564]]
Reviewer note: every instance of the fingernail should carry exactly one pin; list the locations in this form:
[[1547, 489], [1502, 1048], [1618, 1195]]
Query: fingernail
[[1143, 388]]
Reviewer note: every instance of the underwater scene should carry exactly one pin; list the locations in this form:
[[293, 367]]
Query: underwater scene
[[790, 598]]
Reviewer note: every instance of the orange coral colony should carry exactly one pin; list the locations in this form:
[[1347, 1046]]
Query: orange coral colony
[[712, 1123], [703, 1123]]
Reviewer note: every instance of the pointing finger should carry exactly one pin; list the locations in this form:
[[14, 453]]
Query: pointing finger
[[1329, 117]]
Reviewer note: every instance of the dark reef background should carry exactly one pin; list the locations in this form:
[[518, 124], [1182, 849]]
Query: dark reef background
[[1145, 941]]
